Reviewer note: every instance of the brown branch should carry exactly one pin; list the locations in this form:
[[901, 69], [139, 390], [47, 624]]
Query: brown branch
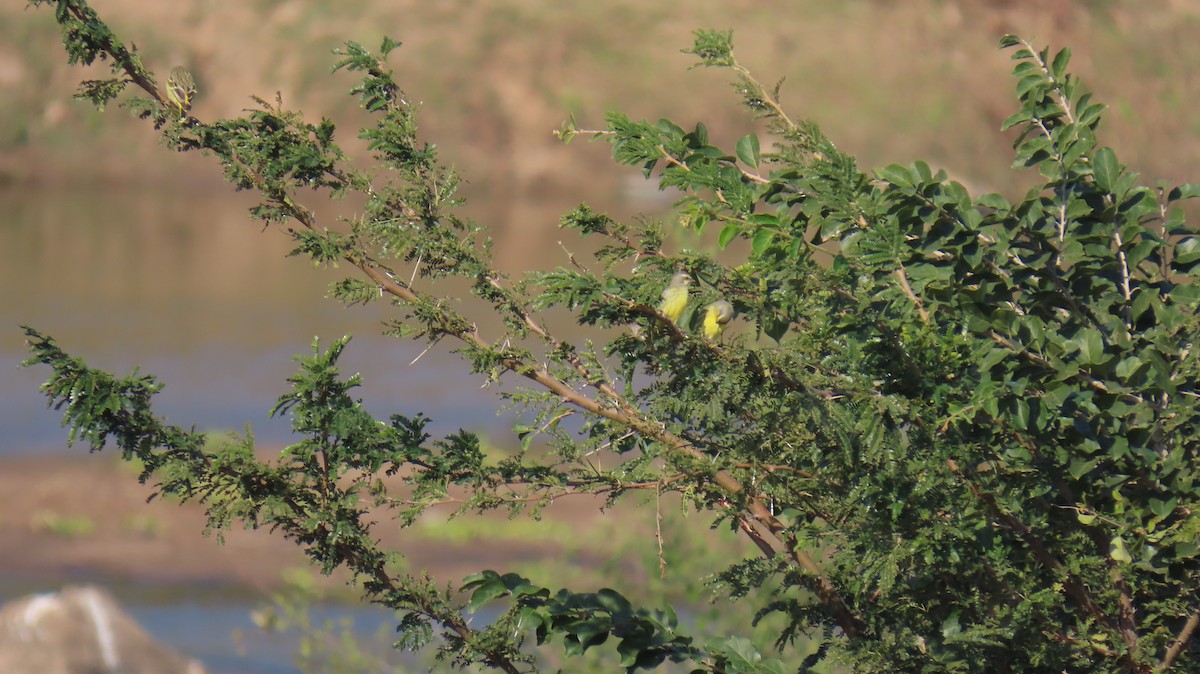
[[568, 489], [368, 565], [119, 54], [354, 558], [625, 414], [1063, 104], [662, 560], [1073, 586], [772, 468], [628, 416], [457, 623], [908, 291], [753, 534], [767, 99], [1126, 622], [1098, 648], [1092, 382], [1177, 646], [753, 177]]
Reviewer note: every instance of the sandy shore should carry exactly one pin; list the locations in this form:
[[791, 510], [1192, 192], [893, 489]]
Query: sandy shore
[[71, 516]]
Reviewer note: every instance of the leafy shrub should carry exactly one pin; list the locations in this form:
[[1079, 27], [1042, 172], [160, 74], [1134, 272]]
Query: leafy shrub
[[960, 430]]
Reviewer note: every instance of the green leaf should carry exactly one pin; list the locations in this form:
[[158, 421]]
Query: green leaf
[[728, 234], [1080, 467], [1118, 552], [1186, 295], [1187, 252], [993, 201], [762, 239], [1128, 366], [924, 173], [1077, 209], [1162, 508], [747, 150], [774, 328], [670, 129], [1105, 168], [743, 655], [591, 631], [1140, 251], [387, 45], [529, 619], [1091, 347], [486, 591], [612, 601], [832, 228], [1090, 115], [897, 175], [951, 626], [1029, 83], [994, 356], [1185, 191], [1059, 67], [1019, 117]]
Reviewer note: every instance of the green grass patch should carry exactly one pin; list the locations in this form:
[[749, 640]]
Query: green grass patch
[[59, 524], [461, 530]]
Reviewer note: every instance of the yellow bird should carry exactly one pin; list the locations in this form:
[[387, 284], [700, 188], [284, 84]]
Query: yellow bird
[[675, 296], [180, 89], [716, 316]]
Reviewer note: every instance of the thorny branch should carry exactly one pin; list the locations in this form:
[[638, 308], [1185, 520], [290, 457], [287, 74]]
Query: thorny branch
[[1180, 642], [1073, 586], [623, 413]]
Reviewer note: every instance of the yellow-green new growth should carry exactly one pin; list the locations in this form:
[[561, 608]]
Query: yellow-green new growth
[[675, 297], [716, 316], [181, 88]]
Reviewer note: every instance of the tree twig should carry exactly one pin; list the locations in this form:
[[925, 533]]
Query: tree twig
[[1181, 641]]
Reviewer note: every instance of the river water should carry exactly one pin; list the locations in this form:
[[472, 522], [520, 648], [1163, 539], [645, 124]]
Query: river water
[[194, 292], [213, 624], [189, 289]]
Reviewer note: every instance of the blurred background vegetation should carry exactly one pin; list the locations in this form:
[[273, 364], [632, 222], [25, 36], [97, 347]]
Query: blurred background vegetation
[[889, 82]]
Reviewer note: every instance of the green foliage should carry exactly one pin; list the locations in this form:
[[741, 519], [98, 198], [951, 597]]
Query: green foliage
[[67, 526], [965, 445]]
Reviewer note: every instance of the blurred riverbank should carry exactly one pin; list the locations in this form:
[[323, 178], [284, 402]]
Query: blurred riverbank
[[73, 517], [888, 82]]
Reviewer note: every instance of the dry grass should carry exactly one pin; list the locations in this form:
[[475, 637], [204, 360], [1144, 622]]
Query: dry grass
[[891, 82]]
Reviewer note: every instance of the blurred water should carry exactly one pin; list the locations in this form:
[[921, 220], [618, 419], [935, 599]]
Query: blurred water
[[198, 295], [223, 637], [212, 623]]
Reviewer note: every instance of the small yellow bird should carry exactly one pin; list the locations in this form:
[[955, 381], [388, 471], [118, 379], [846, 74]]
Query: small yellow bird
[[180, 89], [716, 316], [675, 296]]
